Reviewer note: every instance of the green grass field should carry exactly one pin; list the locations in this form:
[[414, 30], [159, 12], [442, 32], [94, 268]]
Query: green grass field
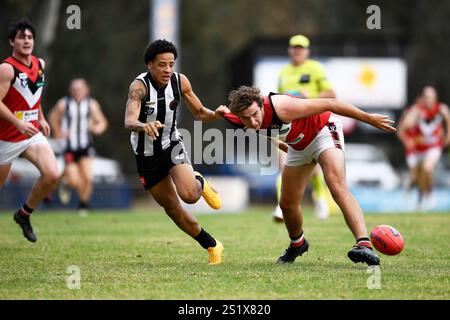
[[143, 255]]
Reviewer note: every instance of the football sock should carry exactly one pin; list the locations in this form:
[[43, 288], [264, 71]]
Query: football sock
[[364, 242], [205, 240], [83, 205], [298, 241], [202, 181], [25, 211], [279, 187]]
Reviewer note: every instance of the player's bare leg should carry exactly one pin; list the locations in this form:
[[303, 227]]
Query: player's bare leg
[[321, 208], [277, 214], [333, 166], [294, 182], [189, 183], [72, 177], [42, 156], [414, 176], [85, 173], [188, 187], [428, 167], [166, 196], [4, 171], [421, 184]]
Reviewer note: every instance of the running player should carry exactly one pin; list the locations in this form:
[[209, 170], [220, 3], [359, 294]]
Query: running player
[[305, 78], [429, 116], [409, 138], [74, 119], [311, 135], [23, 128], [162, 162]]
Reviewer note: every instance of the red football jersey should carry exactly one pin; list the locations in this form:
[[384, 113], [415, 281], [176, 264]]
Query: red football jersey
[[23, 97], [412, 133], [430, 127], [298, 134]]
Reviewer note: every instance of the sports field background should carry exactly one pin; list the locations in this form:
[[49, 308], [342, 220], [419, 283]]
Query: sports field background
[[143, 255]]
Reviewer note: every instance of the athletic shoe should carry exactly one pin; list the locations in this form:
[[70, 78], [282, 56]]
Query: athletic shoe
[[429, 202], [64, 193], [210, 195], [363, 254], [215, 253], [24, 223], [321, 209], [83, 212], [277, 214], [292, 253]]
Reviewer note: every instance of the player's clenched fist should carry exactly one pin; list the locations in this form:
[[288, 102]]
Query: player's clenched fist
[[27, 128], [151, 129]]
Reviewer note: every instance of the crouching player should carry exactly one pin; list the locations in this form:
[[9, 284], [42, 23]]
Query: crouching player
[[312, 135], [161, 159]]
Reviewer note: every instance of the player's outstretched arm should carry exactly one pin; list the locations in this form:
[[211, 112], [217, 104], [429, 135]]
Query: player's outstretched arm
[[194, 104], [290, 109], [279, 144], [136, 94]]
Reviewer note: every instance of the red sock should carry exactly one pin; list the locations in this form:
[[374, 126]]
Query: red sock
[[364, 242], [298, 241]]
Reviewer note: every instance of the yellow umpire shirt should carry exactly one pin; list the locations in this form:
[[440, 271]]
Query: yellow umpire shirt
[[308, 78]]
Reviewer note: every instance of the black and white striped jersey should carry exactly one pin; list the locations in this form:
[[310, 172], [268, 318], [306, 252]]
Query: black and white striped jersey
[[76, 122], [159, 104]]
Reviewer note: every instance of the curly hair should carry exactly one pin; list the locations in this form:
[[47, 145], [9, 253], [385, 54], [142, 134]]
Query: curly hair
[[243, 98], [157, 47], [20, 25]]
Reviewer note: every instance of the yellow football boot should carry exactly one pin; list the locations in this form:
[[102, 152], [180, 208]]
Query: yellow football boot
[[210, 195], [215, 253]]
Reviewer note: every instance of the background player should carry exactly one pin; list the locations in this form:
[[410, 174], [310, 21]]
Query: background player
[[313, 135], [23, 127], [162, 162], [305, 78], [429, 116], [409, 138], [74, 119]]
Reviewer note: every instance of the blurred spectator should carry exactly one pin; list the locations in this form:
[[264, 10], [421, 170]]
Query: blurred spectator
[[304, 77], [74, 119]]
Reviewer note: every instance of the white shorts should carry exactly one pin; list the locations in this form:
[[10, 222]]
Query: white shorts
[[416, 158], [331, 136], [10, 151]]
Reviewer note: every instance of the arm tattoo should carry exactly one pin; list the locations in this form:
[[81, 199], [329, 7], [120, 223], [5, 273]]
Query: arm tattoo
[[137, 93]]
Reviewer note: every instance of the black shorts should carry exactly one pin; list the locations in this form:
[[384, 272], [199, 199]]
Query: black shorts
[[74, 156], [153, 169]]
